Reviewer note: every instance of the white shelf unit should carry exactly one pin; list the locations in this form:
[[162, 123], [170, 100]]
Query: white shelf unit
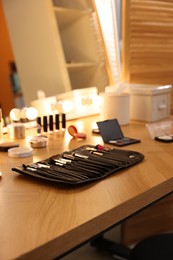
[[109, 23], [82, 44], [58, 46]]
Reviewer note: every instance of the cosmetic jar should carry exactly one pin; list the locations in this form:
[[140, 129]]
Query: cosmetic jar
[[38, 142], [72, 130], [16, 131], [20, 152]]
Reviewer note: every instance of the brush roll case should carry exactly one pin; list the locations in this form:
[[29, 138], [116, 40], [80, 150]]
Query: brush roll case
[[82, 165]]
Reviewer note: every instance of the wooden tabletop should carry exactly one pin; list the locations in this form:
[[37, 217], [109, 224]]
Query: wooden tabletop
[[42, 220]]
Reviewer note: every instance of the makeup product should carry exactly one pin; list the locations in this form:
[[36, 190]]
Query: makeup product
[[7, 145], [165, 138], [16, 131], [72, 130], [100, 147], [103, 148], [77, 157], [57, 125], [111, 133], [81, 163], [20, 152], [0, 174], [50, 123], [38, 142], [39, 121], [45, 124], [38, 125], [95, 131], [63, 120]]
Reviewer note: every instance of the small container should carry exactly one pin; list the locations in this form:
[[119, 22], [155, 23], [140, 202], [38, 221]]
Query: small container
[[38, 142], [72, 130], [115, 106], [16, 131], [5, 146], [20, 152]]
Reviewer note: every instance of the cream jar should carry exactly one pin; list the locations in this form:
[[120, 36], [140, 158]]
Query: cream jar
[[16, 131]]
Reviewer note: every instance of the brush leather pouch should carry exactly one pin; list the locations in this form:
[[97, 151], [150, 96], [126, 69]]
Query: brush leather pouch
[[82, 165]]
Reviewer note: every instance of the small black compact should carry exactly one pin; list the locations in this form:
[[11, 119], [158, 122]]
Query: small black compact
[[165, 138], [111, 133]]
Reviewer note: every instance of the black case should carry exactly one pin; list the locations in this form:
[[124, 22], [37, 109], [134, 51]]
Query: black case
[[111, 133], [94, 166]]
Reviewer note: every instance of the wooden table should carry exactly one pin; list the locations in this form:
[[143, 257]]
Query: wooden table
[[40, 220]]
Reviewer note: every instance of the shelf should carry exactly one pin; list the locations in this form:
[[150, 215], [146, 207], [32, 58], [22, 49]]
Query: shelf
[[82, 65], [71, 4], [89, 76], [81, 41], [66, 17]]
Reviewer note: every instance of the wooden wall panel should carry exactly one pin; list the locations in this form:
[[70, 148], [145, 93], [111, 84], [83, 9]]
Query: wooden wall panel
[[147, 42]]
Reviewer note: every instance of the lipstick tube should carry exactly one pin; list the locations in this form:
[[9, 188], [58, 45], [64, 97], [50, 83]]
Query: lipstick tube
[[45, 124], [51, 123], [57, 125], [63, 120]]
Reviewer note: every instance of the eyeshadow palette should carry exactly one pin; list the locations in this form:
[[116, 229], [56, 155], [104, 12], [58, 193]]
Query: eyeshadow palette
[[111, 133]]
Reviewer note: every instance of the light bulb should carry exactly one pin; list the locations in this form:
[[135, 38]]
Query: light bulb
[[67, 106], [15, 114], [31, 113]]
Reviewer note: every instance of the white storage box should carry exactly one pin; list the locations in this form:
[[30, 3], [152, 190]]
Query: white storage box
[[149, 102]]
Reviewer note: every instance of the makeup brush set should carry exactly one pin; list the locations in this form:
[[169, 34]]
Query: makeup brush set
[[85, 164]]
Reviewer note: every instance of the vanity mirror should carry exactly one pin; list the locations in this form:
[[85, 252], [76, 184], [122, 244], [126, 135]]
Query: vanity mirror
[[58, 46]]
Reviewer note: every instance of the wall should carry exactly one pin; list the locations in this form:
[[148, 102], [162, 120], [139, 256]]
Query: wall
[[6, 54], [36, 47]]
